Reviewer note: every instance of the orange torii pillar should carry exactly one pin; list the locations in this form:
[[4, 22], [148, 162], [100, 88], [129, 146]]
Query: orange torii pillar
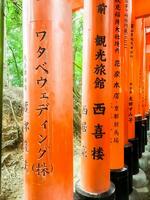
[[146, 81], [48, 100], [142, 9], [126, 42], [119, 173], [128, 148], [131, 98], [147, 89], [144, 90], [142, 85], [147, 85], [138, 66], [143, 69], [148, 66], [141, 77], [95, 136], [148, 72]]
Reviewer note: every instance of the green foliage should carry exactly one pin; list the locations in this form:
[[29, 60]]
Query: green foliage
[[14, 44], [77, 65]]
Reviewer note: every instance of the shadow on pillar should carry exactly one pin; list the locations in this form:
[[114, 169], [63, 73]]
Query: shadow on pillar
[[128, 160], [144, 133], [147, 115], [121, 180], [82, 195], [135, 164], [138, 132]]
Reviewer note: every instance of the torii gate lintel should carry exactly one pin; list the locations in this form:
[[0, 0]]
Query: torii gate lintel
[[77, 4], [141, 8]]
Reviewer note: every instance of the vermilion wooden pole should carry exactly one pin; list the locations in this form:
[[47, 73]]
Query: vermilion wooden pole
[[127, 33], [146, 84], [132, 95], [137, 74], [138, 81], [95, 136], [128, 156], [131, 83], [141, 72], [148, 74], [48, 100], [143, 65], [147, 22], [144, 91], [95, 176], [119, 173], [147, 66], [118, 90], [143, 84]]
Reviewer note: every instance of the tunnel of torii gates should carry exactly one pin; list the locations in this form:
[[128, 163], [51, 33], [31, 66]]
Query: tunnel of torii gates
[[115, 97]]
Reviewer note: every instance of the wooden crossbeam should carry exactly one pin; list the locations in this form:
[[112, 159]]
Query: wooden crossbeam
[[77, 4], [142, 8]]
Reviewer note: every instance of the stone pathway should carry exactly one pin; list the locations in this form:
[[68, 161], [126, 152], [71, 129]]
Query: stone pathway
[[141, 181]]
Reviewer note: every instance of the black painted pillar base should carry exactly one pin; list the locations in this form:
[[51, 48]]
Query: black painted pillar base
[[135, 144], [121, 180], [147, 115], [83, 195], [138, 132], [145, 130], [143, 138], [144, 133], [128, 160]]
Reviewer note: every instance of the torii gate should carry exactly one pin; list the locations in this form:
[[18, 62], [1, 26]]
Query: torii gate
[[50, 176], [141, 10]]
